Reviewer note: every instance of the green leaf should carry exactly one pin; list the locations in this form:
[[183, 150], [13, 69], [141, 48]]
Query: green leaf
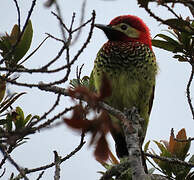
[[192, 24], [85, 81], [166, 46], [151, 170], [178, 23], [19, 144], [163, 45], [146, 146], [74, 83], [36, 117], [160, 146], [8, 41], [186, 149], [185, 39], [168, 39], [82, 82], [9, 123], [27, 119], [180, 171], [14, 34], [191, 160], [19, 122], [5, 44], [2, 89], [24, 43], [180, 58], [172, 33], [20, 112]]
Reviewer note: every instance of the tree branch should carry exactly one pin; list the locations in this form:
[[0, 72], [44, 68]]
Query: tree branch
[[22, 172], [82, 142], [133, 144], [170, 160], [57, 166], [188, 91]]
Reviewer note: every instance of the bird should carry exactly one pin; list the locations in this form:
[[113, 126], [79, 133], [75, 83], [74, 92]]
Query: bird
[[128, 62]]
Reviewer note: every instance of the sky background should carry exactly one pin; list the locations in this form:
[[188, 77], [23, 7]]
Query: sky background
[[170, 108]]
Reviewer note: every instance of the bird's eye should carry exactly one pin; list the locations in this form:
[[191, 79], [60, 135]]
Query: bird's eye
[[123, 27]]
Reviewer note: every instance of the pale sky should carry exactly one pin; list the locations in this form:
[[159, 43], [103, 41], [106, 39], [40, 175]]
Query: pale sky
[[170, 109]]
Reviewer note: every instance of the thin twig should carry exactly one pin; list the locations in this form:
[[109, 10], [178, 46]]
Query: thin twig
[[81, 144], [4, 152], [54, 89], [184, 140], [32, 53], [3, 173], [40, 175], [72, 22], [51, 120], [171, 178], [78, 74], [10, 149], [30, 71], [56, 58], [57, 39], [18, 11], [87, 40], [44, 69], [68, 50], [81, 22], [61, 21], [70, 63], [189, 4], [169, 9], [154, 165], [188, 92], [48, 112], [82, 25], [170, 160], [61, 18], [174, 26]]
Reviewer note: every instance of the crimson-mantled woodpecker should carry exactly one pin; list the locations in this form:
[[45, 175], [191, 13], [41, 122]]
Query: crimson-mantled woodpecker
[[128, 61]]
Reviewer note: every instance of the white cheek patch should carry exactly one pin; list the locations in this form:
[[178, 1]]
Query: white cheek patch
[[130, 31]]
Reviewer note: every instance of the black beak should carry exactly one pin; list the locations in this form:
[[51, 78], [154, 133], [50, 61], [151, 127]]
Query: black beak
[[111, 33], [103, 27]]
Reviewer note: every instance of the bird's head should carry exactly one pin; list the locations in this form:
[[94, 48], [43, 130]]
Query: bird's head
[[127, 28]]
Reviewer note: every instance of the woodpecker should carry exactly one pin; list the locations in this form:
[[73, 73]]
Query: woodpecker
[[129, 63]]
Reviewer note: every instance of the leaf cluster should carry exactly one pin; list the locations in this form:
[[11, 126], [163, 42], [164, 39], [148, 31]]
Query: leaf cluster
[[182, 43], [13, 47], [174, 148], [12, 121]]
